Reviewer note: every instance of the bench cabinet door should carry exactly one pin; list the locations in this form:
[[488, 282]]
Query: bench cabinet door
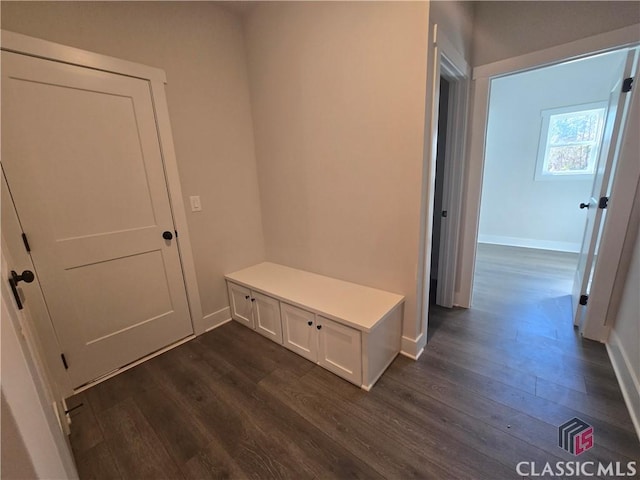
[[267, 316], [241, 305], [299, 331], [339, 349]]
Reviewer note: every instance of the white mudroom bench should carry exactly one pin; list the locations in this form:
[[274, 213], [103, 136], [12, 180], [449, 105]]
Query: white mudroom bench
[[351, 330]]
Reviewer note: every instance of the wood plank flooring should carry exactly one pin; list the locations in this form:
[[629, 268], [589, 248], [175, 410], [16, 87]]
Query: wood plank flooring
[[490, 390]]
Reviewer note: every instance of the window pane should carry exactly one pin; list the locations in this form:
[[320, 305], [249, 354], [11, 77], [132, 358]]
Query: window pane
[[575, 127], [569, 159]]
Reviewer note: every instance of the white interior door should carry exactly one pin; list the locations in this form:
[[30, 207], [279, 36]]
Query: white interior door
[[82, 159], [605, 171]]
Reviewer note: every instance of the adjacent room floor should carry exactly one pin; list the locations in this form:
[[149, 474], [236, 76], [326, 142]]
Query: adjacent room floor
[[489, 391]]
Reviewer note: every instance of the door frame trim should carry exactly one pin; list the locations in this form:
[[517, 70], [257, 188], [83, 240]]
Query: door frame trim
[[38, 328], [456, 71], [35, 47], [23, 44], [443, 57], [618, 232], [482, 75]]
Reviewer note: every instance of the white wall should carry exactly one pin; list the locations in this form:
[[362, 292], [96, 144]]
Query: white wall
[[508, 29], [200, 45], [338, 96], [516, 209], [624, 340]]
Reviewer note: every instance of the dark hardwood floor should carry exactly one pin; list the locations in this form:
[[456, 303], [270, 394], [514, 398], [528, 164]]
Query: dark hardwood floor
[[489, 391]]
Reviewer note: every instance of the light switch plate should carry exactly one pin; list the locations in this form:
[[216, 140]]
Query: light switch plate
[[196, 206]]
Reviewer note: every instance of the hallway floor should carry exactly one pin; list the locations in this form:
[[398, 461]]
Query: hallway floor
[[489, 391]]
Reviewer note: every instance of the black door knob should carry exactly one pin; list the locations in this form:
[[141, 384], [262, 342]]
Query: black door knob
[[309, 323], [319, 327], [27, 276], [584, 205], [167, 235]]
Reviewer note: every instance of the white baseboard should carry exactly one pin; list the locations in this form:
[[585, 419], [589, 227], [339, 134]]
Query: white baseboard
[[215, 319], [529, 243], [413, 348], [629, 382]]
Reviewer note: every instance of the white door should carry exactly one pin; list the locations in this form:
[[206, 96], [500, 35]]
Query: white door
[[605, 171], [267, 316], [82, 159], [339, 349], [299, 331], [240, 302]]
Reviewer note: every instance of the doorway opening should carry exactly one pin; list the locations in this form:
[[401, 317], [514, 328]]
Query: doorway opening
[[550, 150], [449, 147], [439, 214]]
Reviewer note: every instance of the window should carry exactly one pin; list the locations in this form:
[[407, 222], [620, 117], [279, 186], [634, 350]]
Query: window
[[570, 141]]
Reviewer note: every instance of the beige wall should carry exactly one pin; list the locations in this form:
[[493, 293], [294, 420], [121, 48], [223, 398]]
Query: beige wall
[[338, 96], [200, 46], [508, 29]]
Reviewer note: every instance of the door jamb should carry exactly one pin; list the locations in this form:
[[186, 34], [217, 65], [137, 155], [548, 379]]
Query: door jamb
[[456, 71], [23, 44], [482, 75], [38, 329], [455, 65], [26, 389], [619, 227]]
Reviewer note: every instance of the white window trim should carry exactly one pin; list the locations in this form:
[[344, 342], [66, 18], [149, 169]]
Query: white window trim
[[543, 146]]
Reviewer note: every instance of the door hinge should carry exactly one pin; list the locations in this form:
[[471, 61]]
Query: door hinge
[[26, 242], [583, 299], [64, 361], [626, 84], [604, 202], [444, 214]]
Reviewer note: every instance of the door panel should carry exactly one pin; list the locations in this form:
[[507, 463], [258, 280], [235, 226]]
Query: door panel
[[141, 276], [605, 172], [299, 331], [117, 202], [339, 350], [267, 316], [82, 159], [240, 301]]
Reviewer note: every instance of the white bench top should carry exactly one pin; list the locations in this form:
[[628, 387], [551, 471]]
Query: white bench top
[[355, 305]]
